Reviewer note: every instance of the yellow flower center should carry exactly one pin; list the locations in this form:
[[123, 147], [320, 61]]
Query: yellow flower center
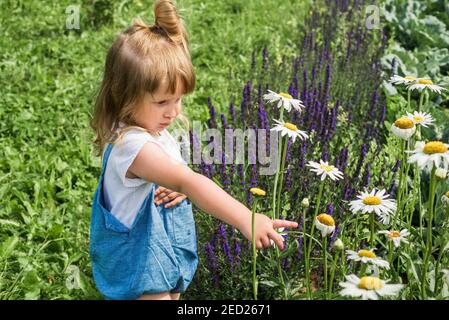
[[394, 234], [372, 201], [410, 78], [285, 95], [326, 167], [425, 81], [404, 123], [257, 191], [370, 283], [435, 147], [291, 126], [326, 219], [366, 253], [447, 194], [418, 119]]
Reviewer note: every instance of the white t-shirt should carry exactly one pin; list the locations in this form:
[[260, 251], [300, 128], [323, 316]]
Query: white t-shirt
[[124, 196]]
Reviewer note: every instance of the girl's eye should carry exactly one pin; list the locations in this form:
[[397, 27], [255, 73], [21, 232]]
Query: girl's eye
[[162, 102]]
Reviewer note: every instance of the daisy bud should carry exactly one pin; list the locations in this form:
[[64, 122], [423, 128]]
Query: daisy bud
[[305, 203], [338, 244], [441, 173]]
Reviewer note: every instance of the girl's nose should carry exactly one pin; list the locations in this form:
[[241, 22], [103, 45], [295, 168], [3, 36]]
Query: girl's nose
[[173, 112]]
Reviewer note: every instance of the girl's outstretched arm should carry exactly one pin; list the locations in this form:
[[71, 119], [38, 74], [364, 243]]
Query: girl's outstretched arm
[[153, 164]]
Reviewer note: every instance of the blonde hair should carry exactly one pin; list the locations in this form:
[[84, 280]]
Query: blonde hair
[[140, 59]]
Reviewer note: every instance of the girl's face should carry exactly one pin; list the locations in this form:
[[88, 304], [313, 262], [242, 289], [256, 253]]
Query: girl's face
[[158, 110]]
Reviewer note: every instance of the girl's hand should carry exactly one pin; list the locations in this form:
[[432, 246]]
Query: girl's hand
[[265, 230], [163, 195]]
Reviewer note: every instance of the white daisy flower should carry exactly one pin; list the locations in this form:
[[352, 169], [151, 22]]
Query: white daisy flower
[[445, 199], [325, 223], [375, 201], [403, 128], [290, 129], [402, 80], [367, 256], [324, 169], [368, 288], [422, 83], [396, 236], [421, 118], [284, 99], [427, 155]]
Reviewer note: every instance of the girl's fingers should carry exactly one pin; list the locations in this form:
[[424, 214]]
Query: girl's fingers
[[259, 245], [266, 242], [173, 203], [170, 196], [159, 190], [284, 224], [176, 201], [278, 239]]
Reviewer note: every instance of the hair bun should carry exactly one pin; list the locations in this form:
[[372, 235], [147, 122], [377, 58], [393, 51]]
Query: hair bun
[[168, 19]]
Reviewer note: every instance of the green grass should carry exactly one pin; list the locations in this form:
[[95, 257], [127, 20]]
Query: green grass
[[49, 76]]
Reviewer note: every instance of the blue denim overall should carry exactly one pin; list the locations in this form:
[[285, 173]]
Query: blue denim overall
[[157, 254]]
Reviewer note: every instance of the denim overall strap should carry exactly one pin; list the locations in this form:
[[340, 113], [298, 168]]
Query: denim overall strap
[[106, 155]]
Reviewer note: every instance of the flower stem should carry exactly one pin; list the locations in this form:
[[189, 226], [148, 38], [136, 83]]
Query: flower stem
[[408, 100], [372, 230], [276, 178], [390, 259], [309, 247], [429, 232], [281, 182], [304, 248], [421, 98], [325, 263], [334, 266], [399, 192], [437, 268]]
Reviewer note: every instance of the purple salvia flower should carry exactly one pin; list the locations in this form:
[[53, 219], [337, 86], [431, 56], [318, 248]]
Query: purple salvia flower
[[242, 174], [383, 112], [253, 60], [264, 58], [343, 159], [232, 112], [211, 261], [304, 85], [302, 153], [330, 209], [211, 122], [362, 157], [396, 166], [367, 176], [374, 100], [225, 243], [237, 251], [288, 179], [223, 167], [332, 238]]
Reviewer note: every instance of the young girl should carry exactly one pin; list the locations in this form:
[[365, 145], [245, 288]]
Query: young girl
[[141, 248]]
